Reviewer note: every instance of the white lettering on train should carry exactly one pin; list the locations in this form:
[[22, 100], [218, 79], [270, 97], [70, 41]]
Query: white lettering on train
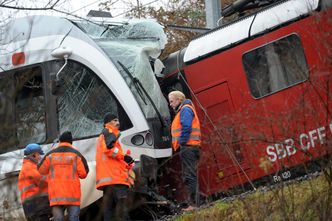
[[284, 176], [306, 141]]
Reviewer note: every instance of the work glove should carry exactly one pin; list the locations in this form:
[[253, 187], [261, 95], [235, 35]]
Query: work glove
[[128, 159], [110, 138]]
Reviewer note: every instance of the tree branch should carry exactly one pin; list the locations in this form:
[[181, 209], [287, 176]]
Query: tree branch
[[30, 9]]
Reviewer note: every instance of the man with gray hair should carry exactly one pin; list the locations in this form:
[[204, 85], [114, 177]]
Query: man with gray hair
[[186, 137]]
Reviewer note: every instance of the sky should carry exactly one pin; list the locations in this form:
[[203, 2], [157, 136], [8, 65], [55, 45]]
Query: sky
[[82, 7], [77, 7]]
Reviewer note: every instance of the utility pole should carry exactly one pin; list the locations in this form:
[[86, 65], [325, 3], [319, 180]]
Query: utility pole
[[138, 8], [213, 12]]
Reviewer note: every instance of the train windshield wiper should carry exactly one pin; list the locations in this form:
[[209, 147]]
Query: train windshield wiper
[[141, 91], [135, 81]]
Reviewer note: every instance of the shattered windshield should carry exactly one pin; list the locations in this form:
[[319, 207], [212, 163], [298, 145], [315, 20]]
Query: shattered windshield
[[135, 44]]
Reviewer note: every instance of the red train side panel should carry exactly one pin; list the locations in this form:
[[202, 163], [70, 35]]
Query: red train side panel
[[258, 124]]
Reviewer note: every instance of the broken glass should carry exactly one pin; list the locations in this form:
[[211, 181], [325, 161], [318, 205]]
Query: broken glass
[[84, 102], [134, 43]]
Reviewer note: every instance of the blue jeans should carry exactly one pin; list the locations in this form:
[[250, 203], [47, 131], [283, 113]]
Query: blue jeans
[[73, 212]]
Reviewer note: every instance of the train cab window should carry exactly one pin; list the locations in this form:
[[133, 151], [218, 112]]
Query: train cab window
[[7, 125], [85, 101], [275, 66], [22, 109]]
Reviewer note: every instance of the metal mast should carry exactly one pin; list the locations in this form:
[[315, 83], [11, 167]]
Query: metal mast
[[213, 12]]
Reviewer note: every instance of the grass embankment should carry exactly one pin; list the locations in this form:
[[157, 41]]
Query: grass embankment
[[307, 200]]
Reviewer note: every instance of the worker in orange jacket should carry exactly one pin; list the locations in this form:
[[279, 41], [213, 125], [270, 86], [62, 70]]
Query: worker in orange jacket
[[65, 166], [112, 170], [33, 186], [186, 137]]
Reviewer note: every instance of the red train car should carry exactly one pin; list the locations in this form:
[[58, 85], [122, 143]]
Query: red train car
[[262, 89]]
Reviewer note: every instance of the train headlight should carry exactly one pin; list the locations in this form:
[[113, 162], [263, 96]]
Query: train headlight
[[149, 139], [137, 139]]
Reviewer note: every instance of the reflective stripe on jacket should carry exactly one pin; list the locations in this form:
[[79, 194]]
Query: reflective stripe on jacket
[[176, 129], [31, 183], [65, 166], [110, 165]]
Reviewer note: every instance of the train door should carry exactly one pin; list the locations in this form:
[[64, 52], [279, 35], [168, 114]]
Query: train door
[[221, 142]]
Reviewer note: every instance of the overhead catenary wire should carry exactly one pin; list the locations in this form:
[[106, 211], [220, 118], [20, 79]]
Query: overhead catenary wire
[[86, 6], [57, 3], [132, 9]]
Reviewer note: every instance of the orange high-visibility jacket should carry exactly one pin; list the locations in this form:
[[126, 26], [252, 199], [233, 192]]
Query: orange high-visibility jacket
[[110, 165], [31, 183], [176, 129], [65, 166]]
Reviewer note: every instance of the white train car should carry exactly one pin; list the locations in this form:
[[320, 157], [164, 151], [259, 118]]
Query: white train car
[[58, 74]]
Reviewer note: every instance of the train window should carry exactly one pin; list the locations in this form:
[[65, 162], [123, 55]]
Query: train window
[[275, 66], [30, 106], [85, 101], [22, 109], [7, 126]]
